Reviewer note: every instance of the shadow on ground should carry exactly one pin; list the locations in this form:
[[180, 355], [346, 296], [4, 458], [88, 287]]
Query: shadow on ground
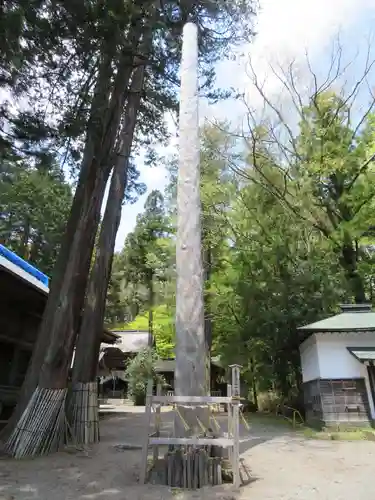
[[110, 469]]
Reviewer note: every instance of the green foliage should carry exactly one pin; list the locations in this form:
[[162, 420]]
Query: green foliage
[[274, 281], [287, 220], [336, 171], [50, 53], [63, 60], [163, 329], [140, 370], [269, 402], [34, 207], [141, 273], [65, 68], [284, 243], [146, 251]]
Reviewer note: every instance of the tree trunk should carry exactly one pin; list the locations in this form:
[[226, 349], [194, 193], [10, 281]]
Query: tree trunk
[[36, 246], [253, 383], [24, 250], [207, 305], [93, 316], [349, 263], [150, 312], [192, 370], [52, 353], [41, 345], [88, 343]]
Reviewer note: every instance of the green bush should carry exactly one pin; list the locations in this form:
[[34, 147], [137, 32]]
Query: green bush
[[139, 371], [163, 328], [269, 401]]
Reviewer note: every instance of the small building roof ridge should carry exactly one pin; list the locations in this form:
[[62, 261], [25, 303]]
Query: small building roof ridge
[[344, 322]]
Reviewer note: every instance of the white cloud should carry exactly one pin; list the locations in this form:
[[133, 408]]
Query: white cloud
[[286, 29], [155, 178]]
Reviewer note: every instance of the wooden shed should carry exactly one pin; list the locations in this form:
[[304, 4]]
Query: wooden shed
[[338, 370], [23, 299]]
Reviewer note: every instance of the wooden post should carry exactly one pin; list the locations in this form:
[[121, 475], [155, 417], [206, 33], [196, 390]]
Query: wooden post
[[236, 391], [143, 471], [157, 424], [230, 423], [191, 353]]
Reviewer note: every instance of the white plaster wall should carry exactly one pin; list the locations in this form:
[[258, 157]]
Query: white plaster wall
[[336, 362], [309, 359]]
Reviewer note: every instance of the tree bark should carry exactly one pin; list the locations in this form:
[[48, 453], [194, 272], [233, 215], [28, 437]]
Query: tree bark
[[151, 312], [349, 263], [24, 251], [89, 336], [56, 337], [192, 369], [253, 382], [207, 305], [36, 247], [64, 320]]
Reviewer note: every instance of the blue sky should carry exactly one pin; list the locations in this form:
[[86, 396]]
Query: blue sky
[[286, 29]]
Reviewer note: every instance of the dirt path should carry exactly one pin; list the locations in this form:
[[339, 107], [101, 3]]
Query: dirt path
[[283, 466], [288, 467]]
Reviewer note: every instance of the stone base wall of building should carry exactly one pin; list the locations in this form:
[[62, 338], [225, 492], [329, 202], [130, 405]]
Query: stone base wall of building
[[337, 402]]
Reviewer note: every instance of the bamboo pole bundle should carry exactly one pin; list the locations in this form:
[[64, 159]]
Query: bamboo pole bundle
[[84, 413], [41, 425]]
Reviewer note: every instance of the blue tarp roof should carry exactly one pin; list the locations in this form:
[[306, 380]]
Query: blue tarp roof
[[22, 264]]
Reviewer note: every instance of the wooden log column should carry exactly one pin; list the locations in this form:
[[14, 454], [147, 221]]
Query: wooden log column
[[192, 367]]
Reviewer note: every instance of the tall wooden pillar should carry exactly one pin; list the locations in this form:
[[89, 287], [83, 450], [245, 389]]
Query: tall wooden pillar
[[192, 369]]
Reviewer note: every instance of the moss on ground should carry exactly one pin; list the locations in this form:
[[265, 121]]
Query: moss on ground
[[339, 433]]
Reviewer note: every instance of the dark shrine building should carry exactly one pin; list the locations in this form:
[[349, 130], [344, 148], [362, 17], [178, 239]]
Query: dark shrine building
[[23, 296], [22, 301], [114, 358]]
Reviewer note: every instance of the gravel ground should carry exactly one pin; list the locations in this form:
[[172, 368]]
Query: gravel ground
[[288, 467], [283, 466]]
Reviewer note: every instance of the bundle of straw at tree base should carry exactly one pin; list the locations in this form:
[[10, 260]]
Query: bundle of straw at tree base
[[41, 427], [84, 413]]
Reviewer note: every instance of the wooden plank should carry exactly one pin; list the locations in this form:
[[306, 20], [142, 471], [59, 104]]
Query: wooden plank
[[193, 400], [223, 442], [189, 458], [196, 471], [230, 425], [236, 447], [184, 470], [143, 471], [236, 427], [157, 424]]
